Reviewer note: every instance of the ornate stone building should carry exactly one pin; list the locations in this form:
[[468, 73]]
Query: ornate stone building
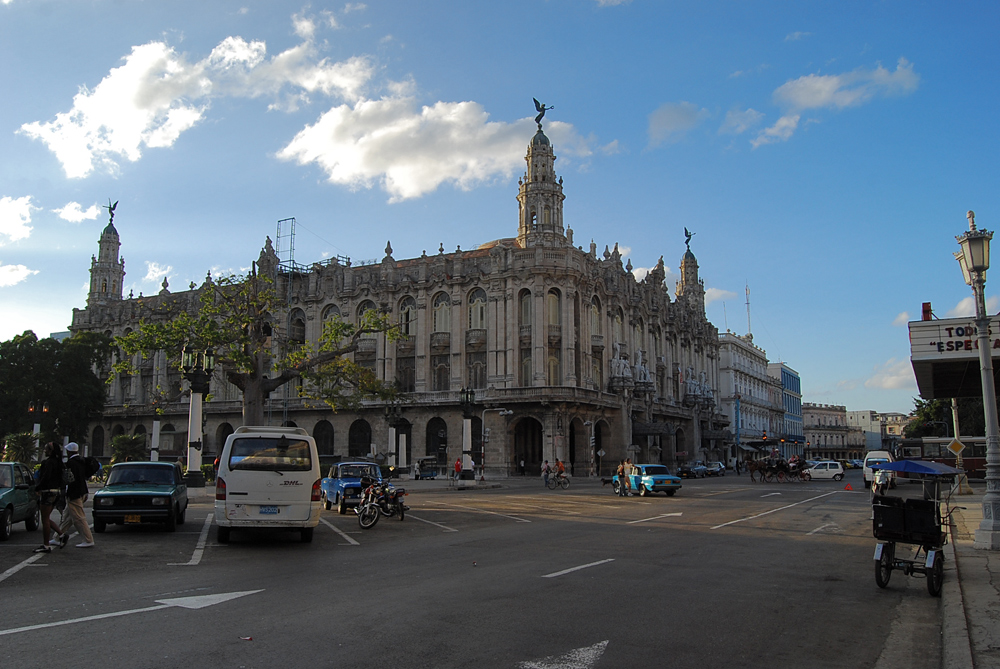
[[592, 365]]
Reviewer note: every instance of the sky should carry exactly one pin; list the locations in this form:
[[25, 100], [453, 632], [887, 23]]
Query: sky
[[824, 154]]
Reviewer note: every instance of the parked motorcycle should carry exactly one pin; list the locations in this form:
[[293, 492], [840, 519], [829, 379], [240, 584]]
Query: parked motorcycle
[[380, 499]]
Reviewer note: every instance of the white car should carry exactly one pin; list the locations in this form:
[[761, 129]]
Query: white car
[[827, 470]]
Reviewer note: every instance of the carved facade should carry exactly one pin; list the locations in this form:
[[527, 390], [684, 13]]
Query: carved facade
[[594, 365]]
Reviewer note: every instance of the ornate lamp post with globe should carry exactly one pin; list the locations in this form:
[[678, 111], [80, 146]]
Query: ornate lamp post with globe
[[975, 260], [197, 367]]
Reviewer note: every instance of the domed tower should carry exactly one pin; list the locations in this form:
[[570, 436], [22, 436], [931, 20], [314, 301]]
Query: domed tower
[[540, 197], [107, 270], [690, 287]]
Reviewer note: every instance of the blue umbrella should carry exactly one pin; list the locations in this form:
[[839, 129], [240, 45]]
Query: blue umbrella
[[926, 467]]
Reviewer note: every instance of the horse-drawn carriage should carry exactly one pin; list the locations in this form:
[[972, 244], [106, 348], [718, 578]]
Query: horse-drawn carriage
[[777, 469]]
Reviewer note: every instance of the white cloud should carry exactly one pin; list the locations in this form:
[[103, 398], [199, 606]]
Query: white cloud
[[612, 3], [737, 122], [354, 7], [671, 120], [157, 94], [754, 70], [640, 272], [13, 274], [155, 272], [835, 91], [796, 36], [717, 294], [783, 128], [893, 375], [304, 27], [15, 215], [74, 213], [902, 319], [410, 151], [967, 307], [610, 148]]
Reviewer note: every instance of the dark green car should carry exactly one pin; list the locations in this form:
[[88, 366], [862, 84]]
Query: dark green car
[[18, 499], [142, 492]]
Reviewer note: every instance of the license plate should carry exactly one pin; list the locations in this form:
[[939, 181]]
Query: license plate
[[133, 518], [269, 510]]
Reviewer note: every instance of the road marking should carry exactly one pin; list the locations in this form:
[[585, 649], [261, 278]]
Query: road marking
[[572, 569], [338, 531], [721, 492], [30, 561], [443, 527], [196, 602], [823, 527], [581, 658], [665, 515], [770, 494], [781, 508], [199, 548], [492, 513]]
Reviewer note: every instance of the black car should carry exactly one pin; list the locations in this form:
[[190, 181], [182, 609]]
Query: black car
[[142, 492], [692, 470]]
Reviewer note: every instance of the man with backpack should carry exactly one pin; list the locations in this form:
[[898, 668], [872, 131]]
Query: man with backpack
[[75, 476]]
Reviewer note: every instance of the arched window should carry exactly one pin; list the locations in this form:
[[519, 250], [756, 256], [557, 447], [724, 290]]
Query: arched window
[[330, 312], [367, 305], [553, 307], [524, 308], [359, 439], [548, 216], [595, 316], [442, 313], [323, 434], [477, 309], [408, 316], [553, 368], [297, 327]]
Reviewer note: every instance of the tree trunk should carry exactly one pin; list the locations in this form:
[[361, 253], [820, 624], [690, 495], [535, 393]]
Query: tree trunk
[[253, 402]]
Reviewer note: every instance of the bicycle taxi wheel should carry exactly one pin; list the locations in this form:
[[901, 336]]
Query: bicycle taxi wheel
[[935, 575], [883, 564]]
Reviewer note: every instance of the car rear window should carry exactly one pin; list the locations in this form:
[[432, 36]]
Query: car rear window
[[875, 461], [270, 454], [656, 470], [125, 474]]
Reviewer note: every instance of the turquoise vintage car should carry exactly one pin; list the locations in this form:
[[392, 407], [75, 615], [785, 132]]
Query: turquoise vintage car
[[142, 492], [649, 479], [18, 500]]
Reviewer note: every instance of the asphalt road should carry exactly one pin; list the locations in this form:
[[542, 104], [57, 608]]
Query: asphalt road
[[724, 574]]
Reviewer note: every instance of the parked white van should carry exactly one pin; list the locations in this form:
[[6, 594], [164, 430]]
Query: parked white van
[[269, 477], [877, 458]]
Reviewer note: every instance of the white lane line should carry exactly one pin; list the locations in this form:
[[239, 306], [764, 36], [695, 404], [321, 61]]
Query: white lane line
[[338, 531], [572, 569], [443, 527], [821, 527], [199, 548], [770, 494], [665, 515], [781, 508], [28, 562], [492, 513], [101, 616]]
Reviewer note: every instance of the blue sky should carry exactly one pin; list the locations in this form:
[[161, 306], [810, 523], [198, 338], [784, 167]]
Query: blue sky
[[824, 153]]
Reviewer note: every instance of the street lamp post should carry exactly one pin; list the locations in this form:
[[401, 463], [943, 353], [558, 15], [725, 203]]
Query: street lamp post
[[197, 367], [467, 397], [974, 259], [486, 438]]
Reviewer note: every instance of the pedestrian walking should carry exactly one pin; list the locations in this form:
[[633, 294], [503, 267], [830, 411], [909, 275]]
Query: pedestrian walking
[[49, 487], [458, 467], [76, 495], [522, 466], [545, 472], [737, 466], [621, 478]]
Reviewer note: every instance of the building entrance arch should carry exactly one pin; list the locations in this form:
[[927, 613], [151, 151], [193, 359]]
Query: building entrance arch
[[528, 444], [359, 439]]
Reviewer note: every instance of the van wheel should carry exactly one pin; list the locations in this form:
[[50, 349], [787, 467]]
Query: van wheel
[[223, 535], [307, 535]]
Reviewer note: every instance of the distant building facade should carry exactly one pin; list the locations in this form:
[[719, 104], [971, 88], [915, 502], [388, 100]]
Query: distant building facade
[[594, 365], [791, 428], [871, 425], [751, 398], [828, 436]]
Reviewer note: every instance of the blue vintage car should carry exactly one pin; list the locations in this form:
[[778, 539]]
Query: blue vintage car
[[343, 484], [18, 500], [649, 479]]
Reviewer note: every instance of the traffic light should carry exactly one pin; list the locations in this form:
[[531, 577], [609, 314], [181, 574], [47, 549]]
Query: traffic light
[[765, 436]]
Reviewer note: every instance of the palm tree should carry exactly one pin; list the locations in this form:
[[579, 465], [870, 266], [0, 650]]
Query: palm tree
[[20, 447]]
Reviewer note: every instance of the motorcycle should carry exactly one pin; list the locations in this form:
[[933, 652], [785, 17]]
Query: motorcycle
[[380, 499]]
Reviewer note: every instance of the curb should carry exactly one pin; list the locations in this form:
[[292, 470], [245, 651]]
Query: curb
[[956, 645]]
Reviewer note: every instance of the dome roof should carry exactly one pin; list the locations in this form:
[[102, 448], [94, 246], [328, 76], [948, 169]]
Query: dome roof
[[540, 139], [689, 256], [110, 230]]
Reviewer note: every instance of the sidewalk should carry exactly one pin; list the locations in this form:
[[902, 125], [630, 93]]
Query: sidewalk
[[971, 625]]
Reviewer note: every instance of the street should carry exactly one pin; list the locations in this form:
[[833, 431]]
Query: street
[[724, 574]]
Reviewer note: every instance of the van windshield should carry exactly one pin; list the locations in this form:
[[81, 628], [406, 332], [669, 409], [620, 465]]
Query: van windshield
[[270, 454]]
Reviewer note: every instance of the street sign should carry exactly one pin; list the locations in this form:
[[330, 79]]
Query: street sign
[[600, 453], [956, 446]]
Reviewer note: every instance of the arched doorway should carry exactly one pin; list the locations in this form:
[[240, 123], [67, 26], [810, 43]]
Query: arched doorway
[[221, 434], [437, 440], [528, 445], [359, 439], [323, 434], [97, 441]]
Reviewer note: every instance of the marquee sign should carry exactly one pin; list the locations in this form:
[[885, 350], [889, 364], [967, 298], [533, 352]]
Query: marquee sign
[[945, 356]]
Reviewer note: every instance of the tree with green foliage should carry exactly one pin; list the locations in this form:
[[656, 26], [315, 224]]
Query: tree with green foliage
[[933, 418], [57, 375], [128, 447], [20, 447], [235, 318]]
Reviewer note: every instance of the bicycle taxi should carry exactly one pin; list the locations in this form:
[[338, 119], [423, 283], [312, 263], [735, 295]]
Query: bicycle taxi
[[916, 521]]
